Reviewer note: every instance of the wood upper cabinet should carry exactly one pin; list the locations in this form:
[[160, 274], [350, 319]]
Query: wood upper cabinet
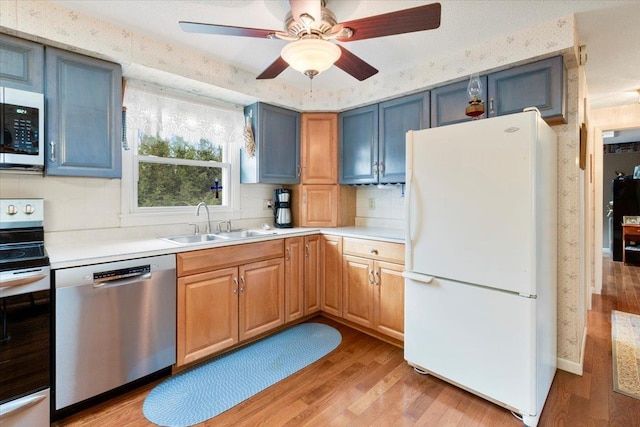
[[21, 64], [331, 274], [372, 139], [294, 280], [312, 268], [207, 314], [319, 148], [320, 201], [448, 103], [397, 117], [277, 146], [541, 84], [358, 137], [227, 295], [261, 297], [83, 116]]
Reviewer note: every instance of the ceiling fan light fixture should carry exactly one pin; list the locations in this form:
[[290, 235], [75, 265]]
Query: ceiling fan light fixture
[[310, 56]]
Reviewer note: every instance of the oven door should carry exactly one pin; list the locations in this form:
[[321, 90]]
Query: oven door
[[25, 325], [22, 122]]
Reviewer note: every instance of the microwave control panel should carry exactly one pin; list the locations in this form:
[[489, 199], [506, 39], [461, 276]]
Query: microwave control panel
[[20, 130]]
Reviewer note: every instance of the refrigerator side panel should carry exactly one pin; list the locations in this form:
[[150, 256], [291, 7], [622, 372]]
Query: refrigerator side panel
[[471, 206], [478, 338], [546, 259]]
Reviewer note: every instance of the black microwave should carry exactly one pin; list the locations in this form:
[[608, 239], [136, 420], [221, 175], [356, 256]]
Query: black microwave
[[22, 123]]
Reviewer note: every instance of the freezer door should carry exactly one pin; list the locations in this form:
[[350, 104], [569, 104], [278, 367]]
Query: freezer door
[[480, 339], [471, 201]]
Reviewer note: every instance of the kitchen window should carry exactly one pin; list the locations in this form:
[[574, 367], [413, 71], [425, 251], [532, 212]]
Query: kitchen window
[[180, 152]]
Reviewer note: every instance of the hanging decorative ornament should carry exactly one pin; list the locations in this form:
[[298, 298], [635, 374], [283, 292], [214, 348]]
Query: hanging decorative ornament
[[249, 140]]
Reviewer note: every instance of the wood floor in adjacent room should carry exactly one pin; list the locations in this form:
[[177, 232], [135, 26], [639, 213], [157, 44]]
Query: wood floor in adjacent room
[[366, 382]]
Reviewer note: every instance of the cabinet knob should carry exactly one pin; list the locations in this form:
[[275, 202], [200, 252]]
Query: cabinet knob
[[373, 251]]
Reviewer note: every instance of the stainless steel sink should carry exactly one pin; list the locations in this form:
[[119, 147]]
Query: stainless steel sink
[[193, 239], [245, 234]]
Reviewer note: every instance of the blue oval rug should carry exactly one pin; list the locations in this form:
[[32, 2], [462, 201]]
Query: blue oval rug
[[207, 390]]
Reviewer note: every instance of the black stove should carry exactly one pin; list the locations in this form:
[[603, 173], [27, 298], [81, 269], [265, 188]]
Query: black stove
[[22, 234]]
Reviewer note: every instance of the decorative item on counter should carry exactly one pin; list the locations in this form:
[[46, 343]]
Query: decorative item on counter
[[249, 140], [216, 188], [474, 90]]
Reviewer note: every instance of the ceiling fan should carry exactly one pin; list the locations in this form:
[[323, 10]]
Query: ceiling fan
[[310, 28]]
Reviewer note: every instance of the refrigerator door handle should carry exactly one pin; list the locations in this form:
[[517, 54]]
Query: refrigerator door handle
[[407, 201], [417, 277]]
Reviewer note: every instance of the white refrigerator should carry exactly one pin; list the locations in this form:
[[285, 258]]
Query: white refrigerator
[[480, 279]]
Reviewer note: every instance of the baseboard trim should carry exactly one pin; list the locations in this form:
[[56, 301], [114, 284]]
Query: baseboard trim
[[571, 366]]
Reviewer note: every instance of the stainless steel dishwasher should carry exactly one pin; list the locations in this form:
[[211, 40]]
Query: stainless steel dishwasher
[[114, 323]]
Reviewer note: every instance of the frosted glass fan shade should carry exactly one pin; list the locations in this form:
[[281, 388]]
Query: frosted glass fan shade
[[310, 55]]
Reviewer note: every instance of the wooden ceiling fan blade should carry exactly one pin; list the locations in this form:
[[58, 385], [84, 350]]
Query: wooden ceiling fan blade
[[273, 70], [403, 21], [351, 64], [224, 30]]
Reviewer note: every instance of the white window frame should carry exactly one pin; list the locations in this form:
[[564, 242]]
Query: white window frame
[[132, 215]]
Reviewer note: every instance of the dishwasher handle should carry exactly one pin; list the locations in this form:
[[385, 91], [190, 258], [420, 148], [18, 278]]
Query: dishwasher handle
[[112, 283], [121, 277]]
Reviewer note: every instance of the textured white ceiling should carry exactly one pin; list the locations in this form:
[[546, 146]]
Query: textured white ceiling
[[609, 28]]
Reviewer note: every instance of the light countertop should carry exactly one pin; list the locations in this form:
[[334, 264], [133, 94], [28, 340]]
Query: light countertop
[[65, 253]]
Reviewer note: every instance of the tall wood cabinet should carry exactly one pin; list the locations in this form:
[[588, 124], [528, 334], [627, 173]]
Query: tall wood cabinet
[[227, 295], [84, 119], [319, 201]]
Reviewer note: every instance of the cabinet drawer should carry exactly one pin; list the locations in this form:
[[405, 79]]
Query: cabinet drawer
[[373, 249], [228, 256]]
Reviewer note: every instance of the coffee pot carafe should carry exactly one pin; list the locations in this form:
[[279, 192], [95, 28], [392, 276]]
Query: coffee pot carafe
[[282, 208]]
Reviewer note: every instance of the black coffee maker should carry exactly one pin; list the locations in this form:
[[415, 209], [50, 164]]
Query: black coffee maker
[[282, 208]]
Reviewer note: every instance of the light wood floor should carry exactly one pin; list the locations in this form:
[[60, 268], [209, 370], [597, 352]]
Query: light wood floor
[[366, 382]]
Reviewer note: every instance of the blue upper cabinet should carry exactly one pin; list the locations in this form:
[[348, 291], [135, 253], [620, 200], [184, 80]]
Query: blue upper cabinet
[[84, 116], [21, 64], [397, 117], [358, 135], [448, 103], [372, 139], [541, 84], [277, 146]]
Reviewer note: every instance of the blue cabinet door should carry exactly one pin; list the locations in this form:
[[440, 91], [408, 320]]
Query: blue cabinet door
[[540, 84], [396, 118], [277, 154], [83, 127], [21, 64], [448, 103], [358, 135]]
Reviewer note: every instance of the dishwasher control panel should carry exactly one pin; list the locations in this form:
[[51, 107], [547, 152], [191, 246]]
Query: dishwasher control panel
[[122, 273]]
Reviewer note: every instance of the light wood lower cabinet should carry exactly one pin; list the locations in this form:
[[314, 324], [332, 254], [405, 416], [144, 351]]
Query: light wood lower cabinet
[[227, 295], [302, 276], [331, 274], [373, 288], [312, 268]]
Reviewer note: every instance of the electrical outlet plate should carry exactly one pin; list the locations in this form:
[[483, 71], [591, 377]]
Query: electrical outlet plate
[[372, 204], [267, 204]]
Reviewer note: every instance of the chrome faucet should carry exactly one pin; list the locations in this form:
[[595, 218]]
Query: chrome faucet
[[208, 229], [227, 225]]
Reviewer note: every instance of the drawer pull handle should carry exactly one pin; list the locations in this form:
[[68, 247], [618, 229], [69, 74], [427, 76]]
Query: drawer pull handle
[[374, 251]]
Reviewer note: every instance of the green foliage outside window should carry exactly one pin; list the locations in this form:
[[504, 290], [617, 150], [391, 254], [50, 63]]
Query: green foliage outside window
[[167, 185]]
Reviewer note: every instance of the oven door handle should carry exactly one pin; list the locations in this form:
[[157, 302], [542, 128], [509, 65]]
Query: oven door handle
[[19, 404], [26, 280]]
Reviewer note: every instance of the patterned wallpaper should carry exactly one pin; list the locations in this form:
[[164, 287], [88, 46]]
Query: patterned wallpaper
[[168, 65]]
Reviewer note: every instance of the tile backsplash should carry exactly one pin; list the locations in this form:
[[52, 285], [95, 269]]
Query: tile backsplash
[[380, 206]]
